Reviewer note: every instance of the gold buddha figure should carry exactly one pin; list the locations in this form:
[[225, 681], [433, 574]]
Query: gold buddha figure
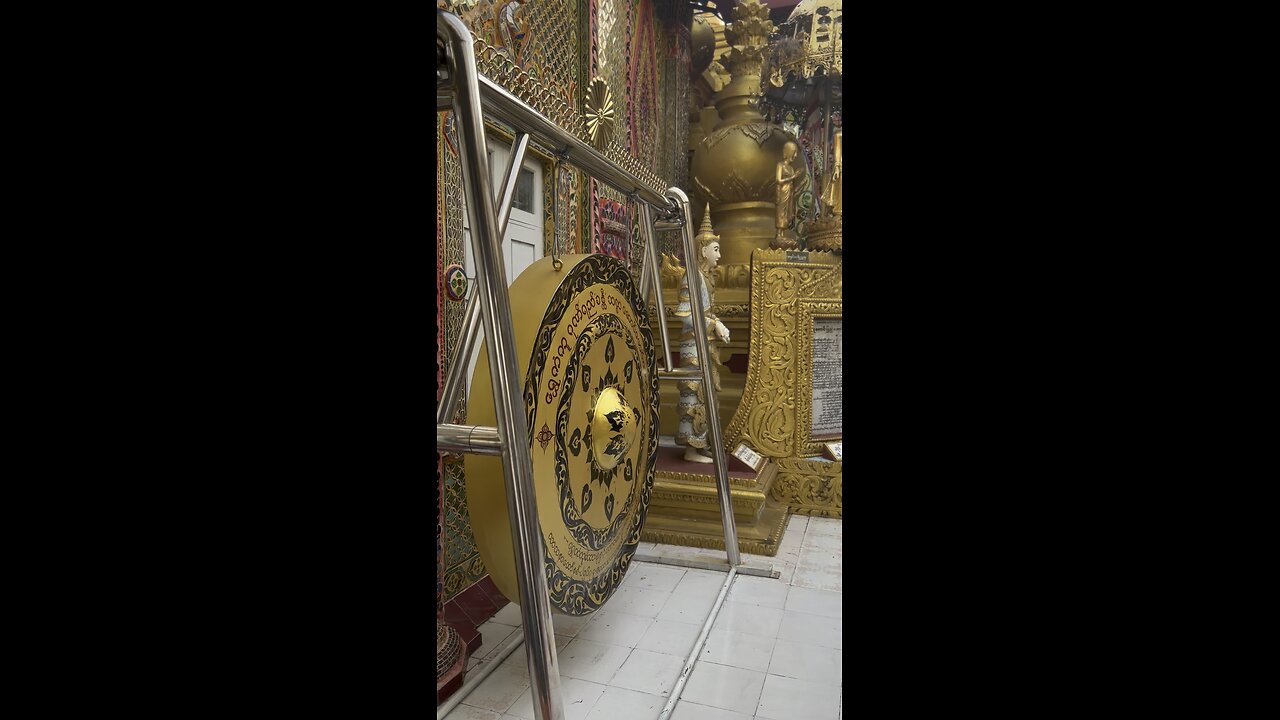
[[788, 172], [831, 194]]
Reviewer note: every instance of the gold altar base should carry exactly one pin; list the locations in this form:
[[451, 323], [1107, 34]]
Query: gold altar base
[[743, 227], [683, 509], [810, 486], [827, 234]]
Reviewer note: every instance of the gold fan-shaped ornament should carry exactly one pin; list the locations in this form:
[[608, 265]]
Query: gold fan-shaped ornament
[[599, 113]]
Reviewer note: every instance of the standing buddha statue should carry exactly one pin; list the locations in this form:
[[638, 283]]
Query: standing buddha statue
[[692, 431], [831, 194], [788, 178]]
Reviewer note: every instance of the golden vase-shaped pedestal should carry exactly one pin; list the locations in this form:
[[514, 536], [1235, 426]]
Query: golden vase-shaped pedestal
[[734, 167]]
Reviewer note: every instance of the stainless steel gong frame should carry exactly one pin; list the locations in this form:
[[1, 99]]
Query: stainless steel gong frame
[[470, 95]]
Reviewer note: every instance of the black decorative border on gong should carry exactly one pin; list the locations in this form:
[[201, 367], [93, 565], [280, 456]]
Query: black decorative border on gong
[[568, 595], [580, 529]]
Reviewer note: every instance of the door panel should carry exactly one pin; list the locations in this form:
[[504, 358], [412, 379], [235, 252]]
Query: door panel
[[523, 243], [521, 255]]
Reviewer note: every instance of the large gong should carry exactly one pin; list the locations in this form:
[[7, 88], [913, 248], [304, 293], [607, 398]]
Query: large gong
[[586, 358]]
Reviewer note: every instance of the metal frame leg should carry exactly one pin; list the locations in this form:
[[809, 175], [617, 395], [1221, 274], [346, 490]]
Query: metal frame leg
[[713, 409], [517, 466], [717, 453]]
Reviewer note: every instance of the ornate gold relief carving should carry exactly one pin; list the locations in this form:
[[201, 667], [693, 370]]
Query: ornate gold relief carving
[[774, 416], [811, 487], [739, 189], [726, 276], [706, 191]]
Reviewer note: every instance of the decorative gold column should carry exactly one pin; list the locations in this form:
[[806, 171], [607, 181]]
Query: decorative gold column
[[734, 165]]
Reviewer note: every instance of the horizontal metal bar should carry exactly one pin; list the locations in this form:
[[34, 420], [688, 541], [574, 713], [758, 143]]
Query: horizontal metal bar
[[471, 439], [677, 373], [664, 225], [717, 565], [500, 104]]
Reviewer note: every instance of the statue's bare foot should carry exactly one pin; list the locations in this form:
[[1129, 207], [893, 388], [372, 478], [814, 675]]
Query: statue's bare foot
[[691, 454]]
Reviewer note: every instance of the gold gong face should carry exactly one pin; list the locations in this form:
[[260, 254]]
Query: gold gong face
[[613, 426], [590, 399]]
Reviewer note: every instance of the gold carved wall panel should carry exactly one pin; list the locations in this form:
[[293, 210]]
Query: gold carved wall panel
[[810, 487], [788, 290]]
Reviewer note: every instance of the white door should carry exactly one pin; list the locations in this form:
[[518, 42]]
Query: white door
[[522, 244]]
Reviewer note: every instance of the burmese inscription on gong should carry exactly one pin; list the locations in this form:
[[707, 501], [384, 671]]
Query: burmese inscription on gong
[[827, 385]]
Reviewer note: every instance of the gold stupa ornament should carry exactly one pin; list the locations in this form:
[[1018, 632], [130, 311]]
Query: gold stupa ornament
[[599, 113], [734, 167]]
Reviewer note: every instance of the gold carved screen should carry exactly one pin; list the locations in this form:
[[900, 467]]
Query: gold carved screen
[[789, 291]]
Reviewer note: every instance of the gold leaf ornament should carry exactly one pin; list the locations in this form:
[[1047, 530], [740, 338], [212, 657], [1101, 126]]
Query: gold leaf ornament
[[599, 113]]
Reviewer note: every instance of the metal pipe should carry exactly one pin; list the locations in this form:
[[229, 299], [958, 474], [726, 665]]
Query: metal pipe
[[697, 647], [646, 236], [718, 566], [517, 466], [713, 409], [477, 676], [678, 373], [473, 439], [654, 281], [461, 360], [512, 175], [501, 105], [664, 225], [465, 346]]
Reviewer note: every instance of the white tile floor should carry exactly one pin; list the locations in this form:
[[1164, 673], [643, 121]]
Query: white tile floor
[[775, 651]]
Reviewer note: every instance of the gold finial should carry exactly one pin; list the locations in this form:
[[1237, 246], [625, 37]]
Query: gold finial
[[705, 233]]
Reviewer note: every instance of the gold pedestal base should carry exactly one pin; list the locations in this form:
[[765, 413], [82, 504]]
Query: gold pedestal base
[[810, 486], [785, 240], [757, 538], [684, 510], [827, 234]]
